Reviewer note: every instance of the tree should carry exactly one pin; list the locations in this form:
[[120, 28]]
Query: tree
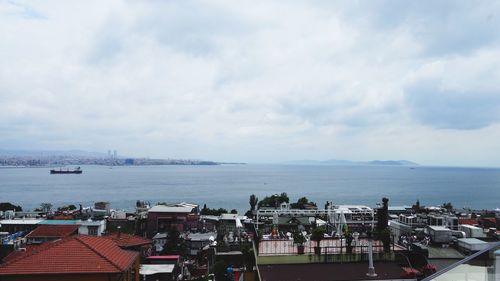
[[70, 207], [448, 206], [253, 202], [6, 206], [317, 235], [248, 256], [298, 238], [46, 207], [385, 237], [301, 203], [416, 207], [274, 200], [383, 215], [174, 245], [212, 212], [233, 211], [348, 238]]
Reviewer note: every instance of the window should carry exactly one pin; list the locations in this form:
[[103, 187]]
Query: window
[[92, 230]]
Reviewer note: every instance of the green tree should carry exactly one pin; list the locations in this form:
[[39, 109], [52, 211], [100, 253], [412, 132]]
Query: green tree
[[448, 206], [175, 244], [298, 238], [301, 203], [253, 202], [385, 237], [46, 207], [317, 235], [274, 200], [6, 206], [383, 215], [212, 212], [70, 207], [347, 233]]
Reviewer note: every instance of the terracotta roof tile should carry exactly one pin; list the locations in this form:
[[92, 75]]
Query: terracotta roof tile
[[56, 231], [80, 254], [127, 240]]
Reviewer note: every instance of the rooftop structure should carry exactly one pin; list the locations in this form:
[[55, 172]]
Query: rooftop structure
[[45, 233], [170, 209], [330, 272], [127, 240], [70, 256], [349, 214], [161, 218]]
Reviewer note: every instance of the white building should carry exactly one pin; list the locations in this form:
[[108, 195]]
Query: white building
[[95, 228]]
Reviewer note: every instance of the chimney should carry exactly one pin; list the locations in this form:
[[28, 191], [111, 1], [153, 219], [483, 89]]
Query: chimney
[[119, 232]]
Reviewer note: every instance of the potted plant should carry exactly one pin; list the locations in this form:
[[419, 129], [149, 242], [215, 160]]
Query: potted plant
[[348, 239], [299, 240], [317, 235]]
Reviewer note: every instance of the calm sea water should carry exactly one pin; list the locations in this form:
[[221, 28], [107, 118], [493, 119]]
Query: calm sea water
[[229, 186]]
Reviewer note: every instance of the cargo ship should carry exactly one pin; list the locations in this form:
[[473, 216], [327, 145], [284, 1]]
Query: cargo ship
[[77, 170]]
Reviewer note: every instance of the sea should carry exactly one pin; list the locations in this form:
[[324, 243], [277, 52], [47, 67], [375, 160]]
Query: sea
[[229, 186]]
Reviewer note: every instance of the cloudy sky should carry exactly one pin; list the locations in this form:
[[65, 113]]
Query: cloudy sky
[[254, 81]]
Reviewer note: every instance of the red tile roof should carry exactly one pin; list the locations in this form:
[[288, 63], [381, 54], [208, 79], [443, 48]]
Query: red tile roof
[[127, 240], [80, 254], [55, 231], [468, 221]]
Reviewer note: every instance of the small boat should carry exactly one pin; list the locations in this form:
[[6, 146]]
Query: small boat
[[77, 170]]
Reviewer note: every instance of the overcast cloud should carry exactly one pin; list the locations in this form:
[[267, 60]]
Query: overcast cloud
[[254, 81]]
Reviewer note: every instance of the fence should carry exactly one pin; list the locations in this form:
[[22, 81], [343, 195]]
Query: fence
[[328, 246]]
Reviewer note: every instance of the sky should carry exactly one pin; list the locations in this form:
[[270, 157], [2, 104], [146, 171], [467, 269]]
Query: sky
[[254, 81]]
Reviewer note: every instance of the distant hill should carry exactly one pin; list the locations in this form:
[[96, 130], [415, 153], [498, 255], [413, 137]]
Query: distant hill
[[336, 162]]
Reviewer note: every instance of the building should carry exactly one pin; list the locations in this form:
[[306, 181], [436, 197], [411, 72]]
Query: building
[[161, 218], [197, 241], [229, 224], [159, 241], [132, 242], [94, 228], [161, 268], [18, 225], [44, 233], [75, 258]]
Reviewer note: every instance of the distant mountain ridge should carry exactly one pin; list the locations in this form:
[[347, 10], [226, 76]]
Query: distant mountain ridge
[[336, 162]]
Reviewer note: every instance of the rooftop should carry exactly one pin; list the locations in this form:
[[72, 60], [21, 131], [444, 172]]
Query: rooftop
[[329, 272], [126, 240], [150, 269], [56, 231], [80, 254], [231, 217], [201, 236], [170, 209], [58, 222], [21, 221]]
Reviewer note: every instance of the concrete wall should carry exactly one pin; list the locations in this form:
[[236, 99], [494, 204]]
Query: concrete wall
[[303, 259]]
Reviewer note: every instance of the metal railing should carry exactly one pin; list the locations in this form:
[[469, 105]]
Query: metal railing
[[328, 247]]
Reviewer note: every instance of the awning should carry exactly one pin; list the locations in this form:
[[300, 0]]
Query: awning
[[150, 269]]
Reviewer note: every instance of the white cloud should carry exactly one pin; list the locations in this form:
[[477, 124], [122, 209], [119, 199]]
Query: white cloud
[[250, 81]]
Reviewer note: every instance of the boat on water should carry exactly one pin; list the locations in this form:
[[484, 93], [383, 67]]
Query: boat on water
[[77, 170]]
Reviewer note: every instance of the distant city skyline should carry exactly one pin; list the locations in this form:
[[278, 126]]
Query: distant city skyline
[[254, 82]]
